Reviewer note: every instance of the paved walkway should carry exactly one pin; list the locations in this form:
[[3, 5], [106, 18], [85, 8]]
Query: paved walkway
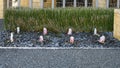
[[61, 58]]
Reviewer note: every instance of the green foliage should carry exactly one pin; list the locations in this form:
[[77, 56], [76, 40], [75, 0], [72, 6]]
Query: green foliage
[[59, 20]]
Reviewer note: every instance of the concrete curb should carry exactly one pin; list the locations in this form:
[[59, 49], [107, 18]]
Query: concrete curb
[[57, 48]]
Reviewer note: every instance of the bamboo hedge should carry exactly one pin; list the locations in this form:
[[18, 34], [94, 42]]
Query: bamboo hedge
[[60, 19]]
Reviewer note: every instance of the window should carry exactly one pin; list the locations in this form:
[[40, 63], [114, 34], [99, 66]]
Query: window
[[45, 0], [89, 3], [80, 3], [69, 3], [113, 3], [59, 3]]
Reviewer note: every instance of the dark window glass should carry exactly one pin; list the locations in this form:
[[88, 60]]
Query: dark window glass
[[59, 3], [69, 3], [45, 0], [113, 3], [80, 3], [89, 3]]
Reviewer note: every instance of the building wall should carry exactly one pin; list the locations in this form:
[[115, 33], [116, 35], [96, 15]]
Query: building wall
[[48, 3], [101, 3], [24, 3], [36, 3], [1, 8], [94, 3], [117, 23]]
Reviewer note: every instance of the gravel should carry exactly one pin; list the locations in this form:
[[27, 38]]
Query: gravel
[[82, 39]]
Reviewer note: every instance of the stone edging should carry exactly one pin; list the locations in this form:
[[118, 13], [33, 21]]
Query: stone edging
[[54, 48]]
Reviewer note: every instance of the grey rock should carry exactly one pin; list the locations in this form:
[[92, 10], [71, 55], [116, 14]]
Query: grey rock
[[30, 39]]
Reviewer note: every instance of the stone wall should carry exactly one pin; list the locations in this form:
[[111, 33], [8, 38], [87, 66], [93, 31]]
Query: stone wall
[[36, 3], [48, 4], [117, 23], [1, 8], [101, 3], [24, 3], [94, 3]]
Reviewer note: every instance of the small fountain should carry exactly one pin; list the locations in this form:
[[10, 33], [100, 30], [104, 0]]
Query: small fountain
[[44, 31], [72, 39], [41, 39], [102, 39], [11, 37], [95, 31], [18, 30], [69, 31]]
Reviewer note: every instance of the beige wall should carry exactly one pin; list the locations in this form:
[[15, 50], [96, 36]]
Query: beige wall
[[94, 3], [117, 23], [1, 8], [101, 3], [48, 3], [36, 3], [24, 3]]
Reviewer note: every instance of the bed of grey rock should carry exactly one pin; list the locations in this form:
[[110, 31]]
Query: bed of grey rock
[[82, 39]]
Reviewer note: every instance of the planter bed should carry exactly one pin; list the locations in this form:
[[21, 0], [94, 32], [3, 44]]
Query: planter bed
[[82, 39]]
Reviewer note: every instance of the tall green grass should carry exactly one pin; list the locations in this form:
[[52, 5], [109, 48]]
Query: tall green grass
[[59, 20]]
